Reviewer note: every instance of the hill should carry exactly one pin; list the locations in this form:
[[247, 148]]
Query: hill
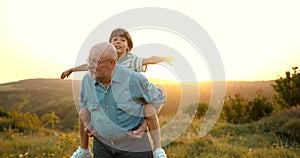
[[42, 96]]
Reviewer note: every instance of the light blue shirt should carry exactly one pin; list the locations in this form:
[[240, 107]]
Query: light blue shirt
[[133, 62], [120, 107]]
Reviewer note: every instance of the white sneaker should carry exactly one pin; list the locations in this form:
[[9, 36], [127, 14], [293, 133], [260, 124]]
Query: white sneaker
[[82, 153], [159, 153]]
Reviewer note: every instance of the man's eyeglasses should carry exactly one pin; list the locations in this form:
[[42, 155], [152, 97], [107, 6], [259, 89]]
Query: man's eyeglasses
[[89, 61]]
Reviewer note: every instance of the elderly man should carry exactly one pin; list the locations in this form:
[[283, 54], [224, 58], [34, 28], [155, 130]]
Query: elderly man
[[115, 98]]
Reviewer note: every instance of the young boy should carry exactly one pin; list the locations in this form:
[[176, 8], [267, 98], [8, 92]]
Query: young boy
[[122, 41]]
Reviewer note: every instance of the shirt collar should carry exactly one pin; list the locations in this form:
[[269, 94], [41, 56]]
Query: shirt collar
[[117, 78], [96, 83]]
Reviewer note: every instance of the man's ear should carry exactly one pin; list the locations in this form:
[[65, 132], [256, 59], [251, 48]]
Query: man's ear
[[113, 62]]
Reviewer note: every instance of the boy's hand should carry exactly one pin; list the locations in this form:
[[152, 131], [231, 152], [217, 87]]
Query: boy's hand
[[169, 60], [66, 73]]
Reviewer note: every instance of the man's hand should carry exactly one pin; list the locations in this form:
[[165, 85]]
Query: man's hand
[[138, 133], [91, 132]]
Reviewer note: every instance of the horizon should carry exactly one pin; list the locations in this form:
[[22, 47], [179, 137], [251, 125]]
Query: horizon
[[153, 80]]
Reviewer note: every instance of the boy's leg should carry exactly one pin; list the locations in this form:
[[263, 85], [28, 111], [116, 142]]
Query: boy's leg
[[83, 151], [153, 124], [154, 128], [84, 138], [85, 117]]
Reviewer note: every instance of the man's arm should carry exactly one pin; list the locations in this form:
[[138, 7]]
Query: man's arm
[[151, 111]]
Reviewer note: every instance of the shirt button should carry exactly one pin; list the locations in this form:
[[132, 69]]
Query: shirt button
[[107, 107]]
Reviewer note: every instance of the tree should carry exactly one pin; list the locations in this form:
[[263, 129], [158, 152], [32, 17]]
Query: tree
[[50, 120], [197, 110], [234, 109], [287, 90], [3, 113], [239, 110], [259, 107]]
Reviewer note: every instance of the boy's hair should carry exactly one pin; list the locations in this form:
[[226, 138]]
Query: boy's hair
[[123, 33]]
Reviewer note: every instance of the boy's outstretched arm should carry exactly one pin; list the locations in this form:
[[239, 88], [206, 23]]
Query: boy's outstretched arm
[[156, 60], [69, 71]]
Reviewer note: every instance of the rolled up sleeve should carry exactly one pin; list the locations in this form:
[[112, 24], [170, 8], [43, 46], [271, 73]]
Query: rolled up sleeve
[[148, 92], [152, 94]]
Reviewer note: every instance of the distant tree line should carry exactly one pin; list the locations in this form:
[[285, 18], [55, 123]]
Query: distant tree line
[[238, 110], [16, 120]]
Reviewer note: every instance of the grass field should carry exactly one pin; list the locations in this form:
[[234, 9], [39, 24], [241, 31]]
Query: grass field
[[224, 140]]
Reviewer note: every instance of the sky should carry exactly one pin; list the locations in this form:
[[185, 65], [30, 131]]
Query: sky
[[256, 40]]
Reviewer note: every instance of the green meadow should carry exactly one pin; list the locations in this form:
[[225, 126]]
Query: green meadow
[[258, 139]]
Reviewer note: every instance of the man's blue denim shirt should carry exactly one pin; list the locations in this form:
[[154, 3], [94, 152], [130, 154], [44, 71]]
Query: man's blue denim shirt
[[120, 107]]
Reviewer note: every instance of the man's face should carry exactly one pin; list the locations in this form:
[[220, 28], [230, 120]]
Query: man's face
[[101, 61], [99, 68]]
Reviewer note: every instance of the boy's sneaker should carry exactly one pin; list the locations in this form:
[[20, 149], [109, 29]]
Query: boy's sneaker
[[82, 153], [159, 153]]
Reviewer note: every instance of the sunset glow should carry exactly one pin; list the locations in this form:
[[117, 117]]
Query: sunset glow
[[256, 40]]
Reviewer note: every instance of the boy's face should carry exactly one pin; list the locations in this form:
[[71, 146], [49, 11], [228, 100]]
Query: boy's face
[[121, 44]]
